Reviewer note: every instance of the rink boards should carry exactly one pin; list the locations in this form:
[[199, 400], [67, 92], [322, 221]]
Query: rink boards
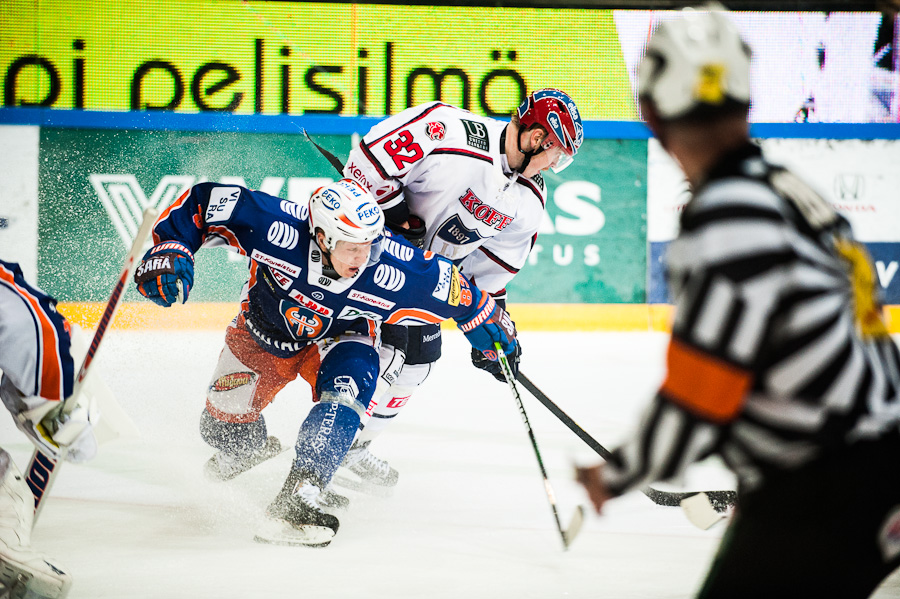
[[71, 196]]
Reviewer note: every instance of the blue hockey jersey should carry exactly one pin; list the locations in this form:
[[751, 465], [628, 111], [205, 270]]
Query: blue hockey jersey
[[289, 301]]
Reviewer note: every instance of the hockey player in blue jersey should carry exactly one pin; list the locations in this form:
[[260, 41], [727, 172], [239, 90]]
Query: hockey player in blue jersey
[[322, 280]]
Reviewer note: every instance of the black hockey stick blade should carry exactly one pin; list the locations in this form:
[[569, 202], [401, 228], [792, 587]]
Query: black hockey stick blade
[[331, 158], [720, 500]]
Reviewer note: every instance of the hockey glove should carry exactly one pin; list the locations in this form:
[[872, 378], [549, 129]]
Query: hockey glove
[[491, 324], [493, 368], [413, 230], [166, 273]]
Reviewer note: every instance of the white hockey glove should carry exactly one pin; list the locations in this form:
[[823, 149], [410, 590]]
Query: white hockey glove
[[59, 435]]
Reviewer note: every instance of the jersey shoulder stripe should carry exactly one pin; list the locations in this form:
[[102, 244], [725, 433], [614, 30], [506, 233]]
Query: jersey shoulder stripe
[[493, 257], [428, 110], [530, 185]]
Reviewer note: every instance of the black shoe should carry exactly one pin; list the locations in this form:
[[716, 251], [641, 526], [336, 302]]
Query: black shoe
[[295, 516]]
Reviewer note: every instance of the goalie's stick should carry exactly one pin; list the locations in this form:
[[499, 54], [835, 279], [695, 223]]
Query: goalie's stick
[[567, 535], [720, 500], [43, 467]]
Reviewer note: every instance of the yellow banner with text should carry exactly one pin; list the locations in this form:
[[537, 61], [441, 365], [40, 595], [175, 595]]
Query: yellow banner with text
[[257, 57]]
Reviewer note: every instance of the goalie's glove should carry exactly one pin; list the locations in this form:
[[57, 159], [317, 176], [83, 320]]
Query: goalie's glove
[[166, 273], [490, 324], [55, 433], [480, 361]]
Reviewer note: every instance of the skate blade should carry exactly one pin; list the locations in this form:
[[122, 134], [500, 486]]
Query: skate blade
[[279, 532], [355, 484]]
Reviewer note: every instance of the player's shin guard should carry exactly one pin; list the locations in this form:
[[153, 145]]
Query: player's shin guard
[[345, 384], [241, 445], [23, 571], [235, 438]]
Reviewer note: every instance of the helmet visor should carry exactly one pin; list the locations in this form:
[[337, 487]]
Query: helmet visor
[[355, 255], [375, 250], [558, 159]]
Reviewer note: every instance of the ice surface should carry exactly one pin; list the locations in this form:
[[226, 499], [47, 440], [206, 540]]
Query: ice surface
[[469, 518]]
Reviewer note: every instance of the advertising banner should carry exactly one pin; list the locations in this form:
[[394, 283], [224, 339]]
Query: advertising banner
[[859, 178], [94, 184], [256, 57]]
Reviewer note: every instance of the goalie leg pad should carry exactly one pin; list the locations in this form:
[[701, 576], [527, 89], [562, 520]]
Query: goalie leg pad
[[23, 571]]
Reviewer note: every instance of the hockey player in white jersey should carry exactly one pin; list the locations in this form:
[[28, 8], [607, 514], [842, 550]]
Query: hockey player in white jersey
[[468, 187], [38, 373]]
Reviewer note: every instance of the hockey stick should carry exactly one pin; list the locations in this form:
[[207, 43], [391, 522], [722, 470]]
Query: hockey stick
[[331, 158], [720, 500], [577, 520], [44, 467]]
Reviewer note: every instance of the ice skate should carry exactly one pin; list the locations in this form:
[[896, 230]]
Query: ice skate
[[296, 517], [223, 466], [362, 471], [24, 572], [331, 501]]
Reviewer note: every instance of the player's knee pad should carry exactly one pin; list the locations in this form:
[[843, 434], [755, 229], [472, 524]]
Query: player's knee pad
[[399, 393], [235, 438], [388, 404], [347, 375], [232, 389]]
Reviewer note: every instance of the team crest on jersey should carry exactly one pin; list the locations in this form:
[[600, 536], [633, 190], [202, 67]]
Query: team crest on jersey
[[455, 232], [232, 381], [302, 322], [436, 130]]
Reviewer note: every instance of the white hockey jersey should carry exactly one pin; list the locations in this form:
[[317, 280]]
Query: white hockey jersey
[[449, 167]]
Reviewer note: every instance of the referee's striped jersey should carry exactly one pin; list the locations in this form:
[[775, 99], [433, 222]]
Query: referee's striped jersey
[[779, 350]]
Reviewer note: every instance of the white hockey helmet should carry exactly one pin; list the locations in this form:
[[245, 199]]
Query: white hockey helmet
[[697, 60], [345, 211]]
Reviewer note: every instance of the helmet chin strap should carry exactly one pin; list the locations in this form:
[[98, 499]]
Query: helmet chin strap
[[528, 155]]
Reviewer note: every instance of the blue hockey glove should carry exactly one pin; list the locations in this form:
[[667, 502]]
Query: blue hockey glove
[[491, 324], [162, 268]]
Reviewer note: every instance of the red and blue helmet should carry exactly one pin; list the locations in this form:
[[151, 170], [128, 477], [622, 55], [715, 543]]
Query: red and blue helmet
[[557, 113]]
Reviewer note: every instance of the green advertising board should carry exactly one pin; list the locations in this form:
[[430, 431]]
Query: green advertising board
[[94, 184]]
